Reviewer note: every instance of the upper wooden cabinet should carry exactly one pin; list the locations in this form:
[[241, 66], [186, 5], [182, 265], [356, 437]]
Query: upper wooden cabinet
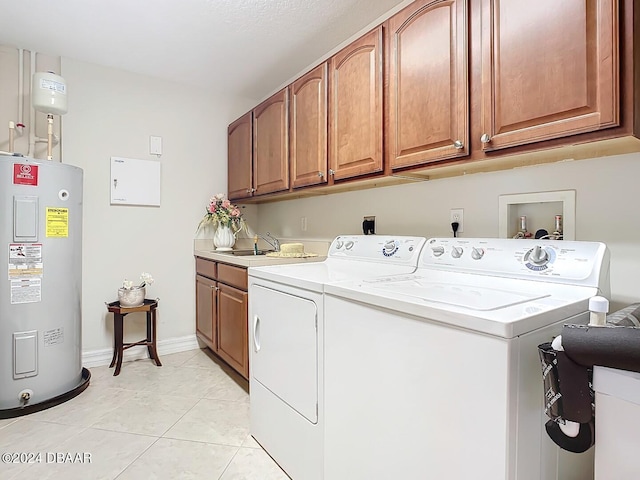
[[449, 87], [308, 128], [271, 144], [355, 108], [428, 94], [239, 155], [549, 69]]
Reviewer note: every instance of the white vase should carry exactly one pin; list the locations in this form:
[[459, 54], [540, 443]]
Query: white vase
[[131, 297], [224, 238]]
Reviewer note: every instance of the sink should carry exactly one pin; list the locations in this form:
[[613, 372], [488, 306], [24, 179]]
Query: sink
[[246, 253]]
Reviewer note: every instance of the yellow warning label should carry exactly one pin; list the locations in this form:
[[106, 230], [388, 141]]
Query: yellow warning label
[[57, 222]]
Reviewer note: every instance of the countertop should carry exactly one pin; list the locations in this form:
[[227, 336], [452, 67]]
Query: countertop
[[204, 248]]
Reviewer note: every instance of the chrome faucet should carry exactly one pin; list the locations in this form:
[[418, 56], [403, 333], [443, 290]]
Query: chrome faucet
[[271, 240]]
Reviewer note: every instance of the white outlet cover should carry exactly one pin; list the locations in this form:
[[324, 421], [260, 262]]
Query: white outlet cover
[[459, 214], [155, 145]]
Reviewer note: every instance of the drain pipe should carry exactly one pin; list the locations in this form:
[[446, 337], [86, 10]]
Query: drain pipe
[[32, 117], [49, 136], [12, 130], [20, 123]]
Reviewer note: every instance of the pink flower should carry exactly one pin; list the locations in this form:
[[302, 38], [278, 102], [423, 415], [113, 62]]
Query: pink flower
[[220, 211]]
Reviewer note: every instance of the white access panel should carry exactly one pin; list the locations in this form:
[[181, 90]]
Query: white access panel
[[284, 341], [135, 182]]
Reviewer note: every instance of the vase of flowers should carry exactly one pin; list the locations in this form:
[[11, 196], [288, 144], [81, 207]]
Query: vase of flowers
[[227, 220], [130, 295]]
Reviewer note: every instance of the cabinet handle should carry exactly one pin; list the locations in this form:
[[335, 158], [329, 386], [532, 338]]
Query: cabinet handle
[[253, 190], [320, 174], [248, 190], [458, 144], [331, 172], [485, 138], [256, 333]]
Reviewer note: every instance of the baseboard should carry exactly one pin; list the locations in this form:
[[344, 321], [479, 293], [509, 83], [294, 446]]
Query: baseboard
[[97, 358]]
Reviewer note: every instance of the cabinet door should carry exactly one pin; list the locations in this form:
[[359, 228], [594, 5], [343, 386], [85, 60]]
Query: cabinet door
[[239, 158], [232, 328], [206, 310], [308, 128], [549, 69], [428, 95], [271, 144], [355, 108]]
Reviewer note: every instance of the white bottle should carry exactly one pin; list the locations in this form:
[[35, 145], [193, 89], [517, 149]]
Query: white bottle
[[598, 306]]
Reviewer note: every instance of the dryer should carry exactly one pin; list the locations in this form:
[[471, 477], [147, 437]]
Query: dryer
[[436, 374], [286, 342]]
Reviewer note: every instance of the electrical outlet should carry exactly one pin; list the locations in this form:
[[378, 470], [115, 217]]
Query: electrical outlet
[[303, 224], [457, 215], [369, 225]]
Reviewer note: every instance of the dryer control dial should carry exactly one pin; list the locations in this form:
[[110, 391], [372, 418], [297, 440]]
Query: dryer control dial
[[389, 248], [456, 252], [437, 251], [477, 253], [339, 244], [348, 245]]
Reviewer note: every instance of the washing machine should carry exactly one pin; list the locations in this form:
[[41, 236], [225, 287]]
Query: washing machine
[[436, 374], [286, 329]]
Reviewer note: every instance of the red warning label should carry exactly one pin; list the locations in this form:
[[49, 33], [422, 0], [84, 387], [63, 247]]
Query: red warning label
[[25, 174]]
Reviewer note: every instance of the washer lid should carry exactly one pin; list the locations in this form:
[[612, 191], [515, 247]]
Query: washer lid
[[504, 307]]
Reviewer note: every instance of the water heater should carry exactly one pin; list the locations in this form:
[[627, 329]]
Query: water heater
[[40, 284]]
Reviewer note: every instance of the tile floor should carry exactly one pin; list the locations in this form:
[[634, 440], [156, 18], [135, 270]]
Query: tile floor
[[188, 419]]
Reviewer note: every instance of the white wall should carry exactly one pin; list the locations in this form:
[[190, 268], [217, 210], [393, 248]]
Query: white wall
[[113, 113], [606, 209]]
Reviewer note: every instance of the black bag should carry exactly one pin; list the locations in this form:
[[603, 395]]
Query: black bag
[[568, 396]]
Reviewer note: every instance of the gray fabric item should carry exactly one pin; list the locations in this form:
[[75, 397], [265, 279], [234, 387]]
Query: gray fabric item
[[627, 317]]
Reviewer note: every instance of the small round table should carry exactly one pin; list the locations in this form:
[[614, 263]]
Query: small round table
[[119, 312]]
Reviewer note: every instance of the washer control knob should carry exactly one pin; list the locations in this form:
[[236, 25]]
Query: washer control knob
[[538, 256], [457, 252], [339, 244], [477, 253], [348, 245], [437, 251]]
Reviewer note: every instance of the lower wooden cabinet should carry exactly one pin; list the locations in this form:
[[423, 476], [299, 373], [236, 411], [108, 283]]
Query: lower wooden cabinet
[[232, 328], [206, 310], [221, 312]]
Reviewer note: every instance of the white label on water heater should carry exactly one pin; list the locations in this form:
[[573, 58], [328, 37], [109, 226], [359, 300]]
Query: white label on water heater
[[53, 337], [25, 261], [26, 290]]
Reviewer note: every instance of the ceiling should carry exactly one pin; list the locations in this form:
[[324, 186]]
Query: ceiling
[[237, 47]]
